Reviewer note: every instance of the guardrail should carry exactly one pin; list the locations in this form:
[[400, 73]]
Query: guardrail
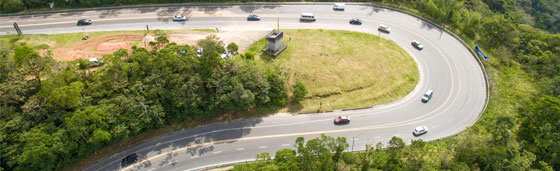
[[174, 5], [462, 42]]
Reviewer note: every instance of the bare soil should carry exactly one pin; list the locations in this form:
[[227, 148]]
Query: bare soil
[[99, 46]]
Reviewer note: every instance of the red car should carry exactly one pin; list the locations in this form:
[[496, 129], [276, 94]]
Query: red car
[[341, 120]]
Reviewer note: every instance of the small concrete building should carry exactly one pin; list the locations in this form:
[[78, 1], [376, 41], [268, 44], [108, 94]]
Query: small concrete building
[[275, 46]]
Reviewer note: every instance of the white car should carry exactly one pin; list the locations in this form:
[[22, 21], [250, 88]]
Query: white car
[[179, 18], [420, 130], [384, 28], [338, 6], [427, 96], [417, 44]]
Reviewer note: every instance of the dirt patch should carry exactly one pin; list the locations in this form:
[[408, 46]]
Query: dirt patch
[[112, 46], [88, 48], [243, 39], [100, 46]]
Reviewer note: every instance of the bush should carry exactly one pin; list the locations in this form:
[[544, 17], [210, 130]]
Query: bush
[[11, 6], [299, 91]]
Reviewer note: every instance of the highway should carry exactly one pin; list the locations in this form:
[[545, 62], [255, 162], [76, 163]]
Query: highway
[[445, 66]]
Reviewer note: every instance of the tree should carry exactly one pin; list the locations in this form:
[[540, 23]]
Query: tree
[[286, 159], [299, 91], [540, 132], [161, 40], [12, 6], [232, 48], [248, 56], [32, 63], [278, 92]]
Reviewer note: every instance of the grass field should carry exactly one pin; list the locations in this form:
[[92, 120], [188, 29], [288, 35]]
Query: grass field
[[343, 69]]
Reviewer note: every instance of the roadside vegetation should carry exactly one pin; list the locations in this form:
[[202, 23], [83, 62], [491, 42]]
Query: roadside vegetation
[[54, 113], [520, 129], [342, 69]]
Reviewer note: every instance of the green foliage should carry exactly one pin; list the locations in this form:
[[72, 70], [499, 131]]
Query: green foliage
[[299, 91], [52, 114], [539, 129], [12, 6], [232, 48], [248, 56]]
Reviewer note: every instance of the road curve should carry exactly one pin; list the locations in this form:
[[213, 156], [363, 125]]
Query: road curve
[[445, 66]]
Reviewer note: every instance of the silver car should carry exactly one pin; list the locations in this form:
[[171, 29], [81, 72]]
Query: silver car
[[384, 28], [179, 18], [420, 130]]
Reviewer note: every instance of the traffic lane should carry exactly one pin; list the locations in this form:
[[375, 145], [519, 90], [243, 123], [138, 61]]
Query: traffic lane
[[213, 152]]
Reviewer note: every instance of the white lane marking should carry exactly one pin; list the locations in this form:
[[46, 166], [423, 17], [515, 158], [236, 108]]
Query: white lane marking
[[194, 157], [396, 135], [240, 149], [284, 145], [376, 137], [264, 146], [462, 110], [450, 119], [151, 169], [216, 152], [356, 139], [435, 126]]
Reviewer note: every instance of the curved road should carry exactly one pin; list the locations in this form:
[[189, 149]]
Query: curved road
[[445, 65]]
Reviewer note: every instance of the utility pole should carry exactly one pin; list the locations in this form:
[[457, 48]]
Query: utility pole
[[353, 141], [447, 14]]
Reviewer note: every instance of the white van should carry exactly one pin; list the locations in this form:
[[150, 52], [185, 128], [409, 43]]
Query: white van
[[307, 17], [338, 6]]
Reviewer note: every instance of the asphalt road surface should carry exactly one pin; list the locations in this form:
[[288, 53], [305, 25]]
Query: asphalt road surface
[[445, 65]]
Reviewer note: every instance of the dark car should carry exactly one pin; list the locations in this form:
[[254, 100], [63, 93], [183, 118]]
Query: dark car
[[253, 17], [341, 120], [82, 22], [132, 158], [356, 21]]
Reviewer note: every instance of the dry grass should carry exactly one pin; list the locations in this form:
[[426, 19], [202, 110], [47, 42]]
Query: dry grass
[[346, 69]]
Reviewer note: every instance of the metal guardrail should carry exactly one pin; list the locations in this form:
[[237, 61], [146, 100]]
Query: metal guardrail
[[462, 42], [475, 55], [173, 5]]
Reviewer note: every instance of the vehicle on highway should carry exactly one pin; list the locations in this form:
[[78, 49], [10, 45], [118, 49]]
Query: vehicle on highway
[[420, 130], [341, 120], [356, 21], [199, 51], [384, 28], [253, 17], [307, 17], [338, 6], [179, 18], [427, 96], [83, 22], [417, 45], [132, 158]]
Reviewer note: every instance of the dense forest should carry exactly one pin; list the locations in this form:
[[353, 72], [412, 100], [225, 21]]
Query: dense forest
[[520, 129], [543, 14], [54, 113]]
